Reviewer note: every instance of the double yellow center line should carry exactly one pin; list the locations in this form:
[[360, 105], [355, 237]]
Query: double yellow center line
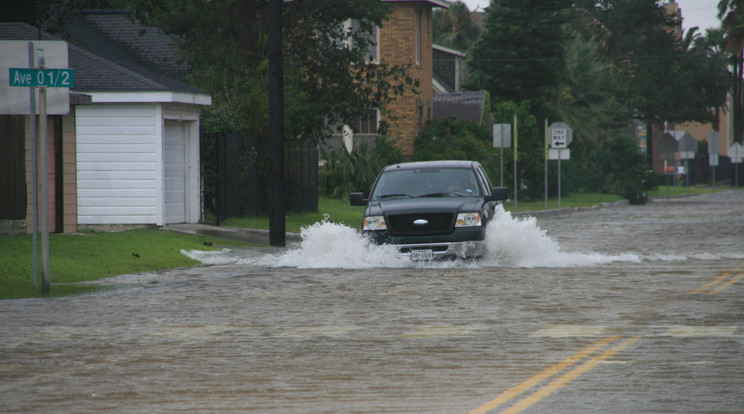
[[583, 362], [720, 283]]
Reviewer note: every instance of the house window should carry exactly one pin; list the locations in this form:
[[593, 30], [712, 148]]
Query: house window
[[366, 124], [417, 35], [371, 37]]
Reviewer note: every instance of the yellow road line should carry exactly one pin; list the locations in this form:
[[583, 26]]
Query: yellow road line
[[567, 377], [547, 373], [721, 281], [730, 282]]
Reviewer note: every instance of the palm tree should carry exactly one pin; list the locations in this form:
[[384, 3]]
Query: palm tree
[[731, 14]]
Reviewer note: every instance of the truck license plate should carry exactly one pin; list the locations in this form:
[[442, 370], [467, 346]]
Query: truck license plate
[[422, 254]]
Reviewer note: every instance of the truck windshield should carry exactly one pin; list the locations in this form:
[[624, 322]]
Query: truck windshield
[[429, 182]]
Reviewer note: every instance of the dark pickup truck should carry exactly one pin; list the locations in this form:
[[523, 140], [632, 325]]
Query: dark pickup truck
[[432, 209]]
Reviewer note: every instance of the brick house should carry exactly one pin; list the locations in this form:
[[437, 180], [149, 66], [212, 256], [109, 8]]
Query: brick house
[[404, 39]]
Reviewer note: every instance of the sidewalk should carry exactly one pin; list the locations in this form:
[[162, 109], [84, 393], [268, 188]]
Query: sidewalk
[[260, 237]]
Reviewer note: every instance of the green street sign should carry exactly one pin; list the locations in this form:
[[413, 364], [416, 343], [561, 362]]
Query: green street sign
[[50, 78]]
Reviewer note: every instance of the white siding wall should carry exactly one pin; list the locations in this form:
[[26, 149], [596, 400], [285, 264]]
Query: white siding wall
[[119, 163]]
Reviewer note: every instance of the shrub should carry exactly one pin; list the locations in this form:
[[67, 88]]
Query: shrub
[[346, 172], [624, 169]]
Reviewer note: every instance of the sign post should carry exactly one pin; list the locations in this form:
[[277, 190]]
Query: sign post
[[546, 163], [42, 78], [502, 139], [713, 139], [561, 136], [736, 152], [516, 159]]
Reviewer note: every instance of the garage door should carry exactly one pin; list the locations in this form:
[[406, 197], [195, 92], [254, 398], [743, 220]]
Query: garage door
[[174, 153]]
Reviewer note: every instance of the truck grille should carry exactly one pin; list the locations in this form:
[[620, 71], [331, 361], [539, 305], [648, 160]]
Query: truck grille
[[438, 223]]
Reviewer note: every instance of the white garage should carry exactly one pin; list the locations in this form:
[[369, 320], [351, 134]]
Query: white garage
[[138, 163]]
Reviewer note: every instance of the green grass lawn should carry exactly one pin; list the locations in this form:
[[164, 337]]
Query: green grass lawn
[[93, 256]]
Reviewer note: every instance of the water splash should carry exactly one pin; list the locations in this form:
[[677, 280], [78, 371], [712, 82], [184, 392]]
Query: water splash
[[511, 242], [520, 242]]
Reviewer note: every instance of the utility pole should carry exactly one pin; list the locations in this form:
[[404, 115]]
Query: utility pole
[[277, 221]]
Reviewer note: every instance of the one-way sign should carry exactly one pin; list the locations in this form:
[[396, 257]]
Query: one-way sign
[[561, 135]]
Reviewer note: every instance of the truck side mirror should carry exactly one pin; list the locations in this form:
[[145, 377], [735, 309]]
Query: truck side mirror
[[357, 199], [498, 194]]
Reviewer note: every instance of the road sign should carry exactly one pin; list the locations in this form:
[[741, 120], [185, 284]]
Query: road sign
[[50, 78], [713, 142], [736, 152], [559, 154], [502, 135], [561, 135]]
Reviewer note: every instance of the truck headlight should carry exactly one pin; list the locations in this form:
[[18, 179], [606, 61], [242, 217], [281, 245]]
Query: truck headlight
[[374, 223], [468, 220]]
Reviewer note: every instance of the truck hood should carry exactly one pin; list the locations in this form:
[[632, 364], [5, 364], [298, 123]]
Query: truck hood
[[424, 205]]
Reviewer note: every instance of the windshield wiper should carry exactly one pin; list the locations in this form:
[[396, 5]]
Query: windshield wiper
[[441, 195]]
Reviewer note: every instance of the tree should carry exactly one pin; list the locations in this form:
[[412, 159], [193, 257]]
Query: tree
[[454, 27], [519, 56], [586, 92], [328, 79], [655, 75], [731, 14]]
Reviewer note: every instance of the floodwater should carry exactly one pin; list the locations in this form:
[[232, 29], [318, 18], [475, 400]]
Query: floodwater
[[617, 309]]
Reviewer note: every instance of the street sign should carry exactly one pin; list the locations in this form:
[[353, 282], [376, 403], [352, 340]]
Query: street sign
[[502, 135], [712, 160], [713, 142], [50, 78], [559, 154], [736, 152], [561, 135]]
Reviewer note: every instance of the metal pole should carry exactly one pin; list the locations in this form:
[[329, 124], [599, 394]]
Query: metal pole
[[277, 220], [559, 177], [546, 164], [502, 157], [44, 191], [687, 176], [34, 178], [516, 159]]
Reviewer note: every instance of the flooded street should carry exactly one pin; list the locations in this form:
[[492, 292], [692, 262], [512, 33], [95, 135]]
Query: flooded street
[[620, 309]]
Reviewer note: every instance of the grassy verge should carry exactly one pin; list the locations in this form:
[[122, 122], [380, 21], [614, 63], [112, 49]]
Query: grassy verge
[[340, 211], [678, 190], [93, 256]]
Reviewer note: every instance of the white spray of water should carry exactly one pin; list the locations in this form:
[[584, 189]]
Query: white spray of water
[[510, 242], [520, 242], [332, 245]]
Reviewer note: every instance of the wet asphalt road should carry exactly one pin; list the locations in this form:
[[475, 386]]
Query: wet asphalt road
[[658, 327]]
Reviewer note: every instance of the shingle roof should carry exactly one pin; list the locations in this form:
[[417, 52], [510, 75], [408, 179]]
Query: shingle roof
[[464, 106], [108, 54]]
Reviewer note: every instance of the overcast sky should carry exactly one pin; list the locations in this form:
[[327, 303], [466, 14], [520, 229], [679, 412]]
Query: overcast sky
[[700, 13]]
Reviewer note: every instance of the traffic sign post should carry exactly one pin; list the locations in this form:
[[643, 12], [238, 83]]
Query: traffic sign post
[[736, 152], [42, 78], [502, 139], [713, 145], [561, 135]]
